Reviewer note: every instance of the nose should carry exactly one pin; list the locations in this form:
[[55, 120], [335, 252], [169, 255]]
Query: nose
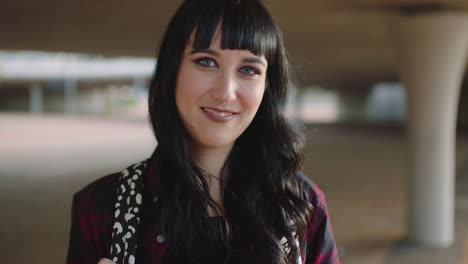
[[225, 88]]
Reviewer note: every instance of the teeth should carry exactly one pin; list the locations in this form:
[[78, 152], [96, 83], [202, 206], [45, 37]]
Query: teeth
[[217, 113]]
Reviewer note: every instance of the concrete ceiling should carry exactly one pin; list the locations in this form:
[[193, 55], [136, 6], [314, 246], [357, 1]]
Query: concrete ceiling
[[331, 42]]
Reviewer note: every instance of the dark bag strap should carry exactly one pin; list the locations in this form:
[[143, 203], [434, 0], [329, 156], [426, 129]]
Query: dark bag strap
[[127, 214]]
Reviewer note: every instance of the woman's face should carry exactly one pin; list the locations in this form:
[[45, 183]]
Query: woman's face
[[218, 92]]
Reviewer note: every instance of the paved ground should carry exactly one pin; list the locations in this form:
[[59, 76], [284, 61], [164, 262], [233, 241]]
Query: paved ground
[[43, 160]]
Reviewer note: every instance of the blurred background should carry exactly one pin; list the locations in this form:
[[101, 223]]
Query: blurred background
[[380, 87]]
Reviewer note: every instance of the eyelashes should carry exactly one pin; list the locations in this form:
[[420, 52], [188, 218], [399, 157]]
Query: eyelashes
[[249, 70], [206, 62], [209, 63]]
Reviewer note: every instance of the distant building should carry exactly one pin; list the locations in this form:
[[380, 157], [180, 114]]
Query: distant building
[[77, 84]]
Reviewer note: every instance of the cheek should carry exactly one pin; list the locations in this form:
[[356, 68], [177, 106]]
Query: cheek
[[188, 89], [253, 97]]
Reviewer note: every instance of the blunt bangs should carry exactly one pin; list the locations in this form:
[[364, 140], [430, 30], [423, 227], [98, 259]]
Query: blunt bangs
[[245, 24]]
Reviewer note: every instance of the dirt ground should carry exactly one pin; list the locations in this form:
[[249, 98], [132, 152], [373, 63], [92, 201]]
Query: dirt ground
[[45, 159]]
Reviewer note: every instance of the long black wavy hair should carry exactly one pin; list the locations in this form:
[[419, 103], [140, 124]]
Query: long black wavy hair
[[265, 191]]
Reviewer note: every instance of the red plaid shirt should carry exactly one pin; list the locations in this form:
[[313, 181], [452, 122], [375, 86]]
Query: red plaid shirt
[[92, 221]]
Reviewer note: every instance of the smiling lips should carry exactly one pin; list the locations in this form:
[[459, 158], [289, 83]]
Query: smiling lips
[[218, 115]]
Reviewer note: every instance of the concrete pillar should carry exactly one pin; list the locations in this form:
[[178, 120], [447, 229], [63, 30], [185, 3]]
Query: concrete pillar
[[36, 100], [431, 49], [463, 107], [70, 94]]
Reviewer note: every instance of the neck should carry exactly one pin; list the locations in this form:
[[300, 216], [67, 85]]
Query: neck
[[211, 161]]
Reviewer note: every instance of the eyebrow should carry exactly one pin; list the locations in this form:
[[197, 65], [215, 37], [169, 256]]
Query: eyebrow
[[255, 60], [209, 51], [216, 54]]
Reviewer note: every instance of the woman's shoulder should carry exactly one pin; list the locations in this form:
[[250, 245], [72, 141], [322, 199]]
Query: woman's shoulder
[[93, 216], [108, 184], [98, 186], [313, 193], [321, 246], [101, 192]]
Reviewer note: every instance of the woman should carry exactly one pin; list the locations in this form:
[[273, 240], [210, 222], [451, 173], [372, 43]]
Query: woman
[[224, 183]]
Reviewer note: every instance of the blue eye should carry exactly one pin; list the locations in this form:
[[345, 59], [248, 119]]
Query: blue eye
[[206, 62], [248, 70]]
